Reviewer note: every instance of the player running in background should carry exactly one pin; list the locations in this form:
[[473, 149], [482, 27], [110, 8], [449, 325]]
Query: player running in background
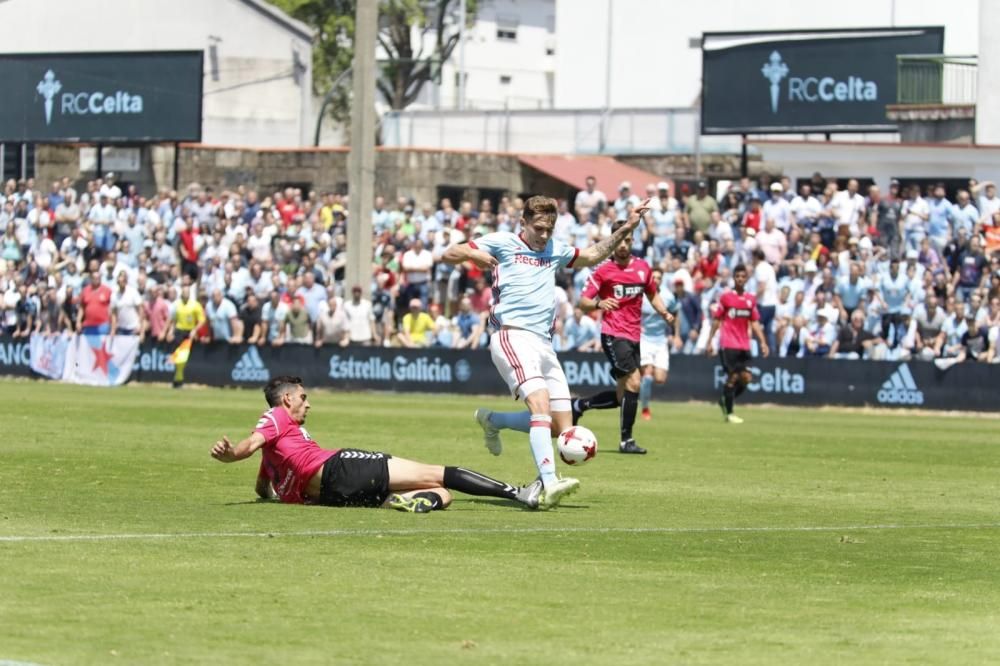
[[296, 470], [736, 314], [654, 347], [524, 308], [617, 288]]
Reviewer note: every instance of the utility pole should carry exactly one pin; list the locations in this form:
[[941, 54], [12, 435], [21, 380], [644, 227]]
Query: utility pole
[[461, 55], [361, 161]]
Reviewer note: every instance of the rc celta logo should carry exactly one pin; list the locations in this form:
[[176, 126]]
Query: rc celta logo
[[812, 89], [47, 88], [774, 70], [84, 103]]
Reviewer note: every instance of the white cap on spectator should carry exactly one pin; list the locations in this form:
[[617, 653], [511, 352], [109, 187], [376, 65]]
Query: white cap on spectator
[[912, 254], [625, 186], [811, 266], [776, 187], [865, 243], [663, 185]]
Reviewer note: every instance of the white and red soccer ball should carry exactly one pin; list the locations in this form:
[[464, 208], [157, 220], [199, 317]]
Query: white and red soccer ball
[[577, 445]]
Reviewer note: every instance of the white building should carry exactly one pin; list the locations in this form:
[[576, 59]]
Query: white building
[[647, 53], [258, 60], [508, 61]]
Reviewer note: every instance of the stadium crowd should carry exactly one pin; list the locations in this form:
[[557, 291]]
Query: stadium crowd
[[839, 273]]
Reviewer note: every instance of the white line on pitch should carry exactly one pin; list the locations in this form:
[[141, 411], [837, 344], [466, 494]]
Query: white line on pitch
[[419, 531]]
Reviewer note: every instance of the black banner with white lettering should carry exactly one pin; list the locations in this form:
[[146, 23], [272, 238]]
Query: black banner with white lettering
[[125, 96], [805, 81], [805, 382]]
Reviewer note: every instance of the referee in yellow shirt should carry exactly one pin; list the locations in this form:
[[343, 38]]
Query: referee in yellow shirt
[[186, 317]]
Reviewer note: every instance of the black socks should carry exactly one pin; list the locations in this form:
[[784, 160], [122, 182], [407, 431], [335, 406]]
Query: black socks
[[473, 483], [630, 405], [605, 400]]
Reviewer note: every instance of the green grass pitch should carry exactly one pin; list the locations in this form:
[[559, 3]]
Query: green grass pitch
[[803, 536]]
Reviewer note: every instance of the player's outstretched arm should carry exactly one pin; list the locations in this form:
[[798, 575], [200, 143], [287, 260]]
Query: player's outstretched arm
[[600, 251], [462, 252], [224, 451]]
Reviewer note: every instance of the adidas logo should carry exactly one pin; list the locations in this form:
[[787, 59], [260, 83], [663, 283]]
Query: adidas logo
[[250, 368], [900, 389]]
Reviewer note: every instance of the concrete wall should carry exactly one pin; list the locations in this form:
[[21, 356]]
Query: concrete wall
[[414, 173]]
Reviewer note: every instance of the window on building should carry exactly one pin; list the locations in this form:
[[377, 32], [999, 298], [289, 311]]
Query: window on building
[[17, 160], [505, 79], [506, 29]]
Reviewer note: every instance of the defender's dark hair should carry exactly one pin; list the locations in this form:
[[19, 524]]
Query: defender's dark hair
[[278, 386], [740, 268]]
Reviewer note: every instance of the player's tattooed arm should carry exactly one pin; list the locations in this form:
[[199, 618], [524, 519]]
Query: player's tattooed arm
[[601, 250]]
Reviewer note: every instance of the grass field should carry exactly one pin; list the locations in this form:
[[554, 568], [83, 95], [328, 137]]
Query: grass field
[[803, 536]]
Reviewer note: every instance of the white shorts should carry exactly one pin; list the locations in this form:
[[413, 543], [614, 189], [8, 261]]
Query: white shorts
[[527, 362], [654, 354]]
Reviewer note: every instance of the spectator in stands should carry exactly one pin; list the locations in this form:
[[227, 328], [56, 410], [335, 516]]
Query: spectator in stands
[[361, 318], [94, 317], [251, 319], [128, 314], [332, 325], [699, 207], [417, 327], [625, 202], [296, 328], [224, 319], [581, 333], [416, 264], [777, 209], [854, 341], [469, 325]]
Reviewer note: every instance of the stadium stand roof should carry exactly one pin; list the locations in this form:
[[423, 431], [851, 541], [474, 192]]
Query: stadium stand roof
[[574, 169]]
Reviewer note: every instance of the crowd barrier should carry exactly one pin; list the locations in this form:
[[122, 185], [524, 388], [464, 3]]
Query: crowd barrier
[[805, 382]]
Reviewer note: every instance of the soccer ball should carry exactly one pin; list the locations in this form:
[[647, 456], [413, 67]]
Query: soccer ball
[[577, 445]]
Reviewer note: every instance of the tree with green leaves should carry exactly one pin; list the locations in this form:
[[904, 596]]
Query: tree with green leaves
[[415, 37]]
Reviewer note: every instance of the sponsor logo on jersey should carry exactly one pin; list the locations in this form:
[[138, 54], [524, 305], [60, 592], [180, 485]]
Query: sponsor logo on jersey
[[627, 290], [538, 262], [900, 389], [736, 313], [250, 368]]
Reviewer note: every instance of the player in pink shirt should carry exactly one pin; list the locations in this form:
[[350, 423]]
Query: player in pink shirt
[[736, 314], [617, 288], [296, 470]]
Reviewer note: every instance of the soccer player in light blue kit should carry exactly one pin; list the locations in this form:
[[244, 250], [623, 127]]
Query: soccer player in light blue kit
[[522, 317], [654, 351]]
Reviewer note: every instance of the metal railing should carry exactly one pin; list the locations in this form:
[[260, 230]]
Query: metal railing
[[569, 131], [935, 79]]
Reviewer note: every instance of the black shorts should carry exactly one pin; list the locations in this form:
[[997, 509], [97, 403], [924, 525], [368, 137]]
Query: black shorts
[[735, 360], [623, 354], [353, 477]]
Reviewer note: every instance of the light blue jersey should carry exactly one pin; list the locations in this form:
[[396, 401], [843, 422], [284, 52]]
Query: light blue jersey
[[654, 327], [524, 286]]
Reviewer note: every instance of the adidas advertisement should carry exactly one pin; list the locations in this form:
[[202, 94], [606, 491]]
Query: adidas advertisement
[[250, 368], [900, 389], [783, 381]]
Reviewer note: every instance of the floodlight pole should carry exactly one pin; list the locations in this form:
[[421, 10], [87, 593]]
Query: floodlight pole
[[361, 161]]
